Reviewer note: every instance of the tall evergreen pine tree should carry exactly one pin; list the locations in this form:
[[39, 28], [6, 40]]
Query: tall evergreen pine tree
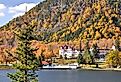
[[27, 61]]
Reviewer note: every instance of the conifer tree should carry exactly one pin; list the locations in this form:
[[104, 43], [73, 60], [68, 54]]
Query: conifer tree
[[27, 61], [117, 44], [80, 59], [95, 51], [88, 59]]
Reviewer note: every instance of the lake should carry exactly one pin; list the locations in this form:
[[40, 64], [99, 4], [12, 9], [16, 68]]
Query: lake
[[71, 76]]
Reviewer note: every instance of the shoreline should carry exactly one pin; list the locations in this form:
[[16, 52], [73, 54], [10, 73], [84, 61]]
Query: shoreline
[[6, 67], [101, 69]]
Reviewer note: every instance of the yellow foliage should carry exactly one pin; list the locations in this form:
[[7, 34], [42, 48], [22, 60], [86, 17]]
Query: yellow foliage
[[63, 35], [84, 25], [92, 33], [98, 8], [87, 12], [105, 30], [63, 17], [95, 24], [79, 20], [105, 35], [50, 26], [45, 25], [72, 18], [113, 15], [85, 33], [97, 35], [110, 21], [75, 24], [34, 22]]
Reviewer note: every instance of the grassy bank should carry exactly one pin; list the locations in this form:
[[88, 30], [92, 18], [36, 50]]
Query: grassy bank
[[2, 67]]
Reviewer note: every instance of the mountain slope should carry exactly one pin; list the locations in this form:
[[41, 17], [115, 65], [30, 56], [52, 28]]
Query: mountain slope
[[68, 20]]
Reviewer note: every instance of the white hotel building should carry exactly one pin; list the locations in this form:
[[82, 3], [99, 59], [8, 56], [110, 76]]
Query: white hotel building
[[68, 51]]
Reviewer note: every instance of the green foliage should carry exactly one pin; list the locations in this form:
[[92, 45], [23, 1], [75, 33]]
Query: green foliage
[[80, 59], [40, 60], [65, 56], [87, 57], [115, 4], [87, 44], [42, 55], [27, 61], [19, 77], [113, 58], [117, 44], [95, 50]]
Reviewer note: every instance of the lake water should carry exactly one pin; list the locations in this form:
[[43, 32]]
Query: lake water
[[71, 76]]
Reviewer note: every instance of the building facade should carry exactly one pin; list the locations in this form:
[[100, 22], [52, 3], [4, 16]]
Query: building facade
[[68, 52]]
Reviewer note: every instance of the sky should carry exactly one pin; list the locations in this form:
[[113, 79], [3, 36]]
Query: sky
[[10, 9]]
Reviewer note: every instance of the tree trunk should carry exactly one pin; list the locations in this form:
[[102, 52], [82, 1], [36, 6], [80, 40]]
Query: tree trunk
[[26, 76]]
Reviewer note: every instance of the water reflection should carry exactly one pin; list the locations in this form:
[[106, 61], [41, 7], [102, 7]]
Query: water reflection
[[71, 76]]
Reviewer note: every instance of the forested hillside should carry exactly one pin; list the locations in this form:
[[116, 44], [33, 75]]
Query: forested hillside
[[58, 21]]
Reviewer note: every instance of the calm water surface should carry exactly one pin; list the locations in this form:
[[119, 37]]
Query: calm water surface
[[71, 76]]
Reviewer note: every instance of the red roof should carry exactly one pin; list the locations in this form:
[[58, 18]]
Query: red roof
[[44, 63]]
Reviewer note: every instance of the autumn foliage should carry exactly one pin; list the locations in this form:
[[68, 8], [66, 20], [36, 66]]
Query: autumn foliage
[[69, 22]]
